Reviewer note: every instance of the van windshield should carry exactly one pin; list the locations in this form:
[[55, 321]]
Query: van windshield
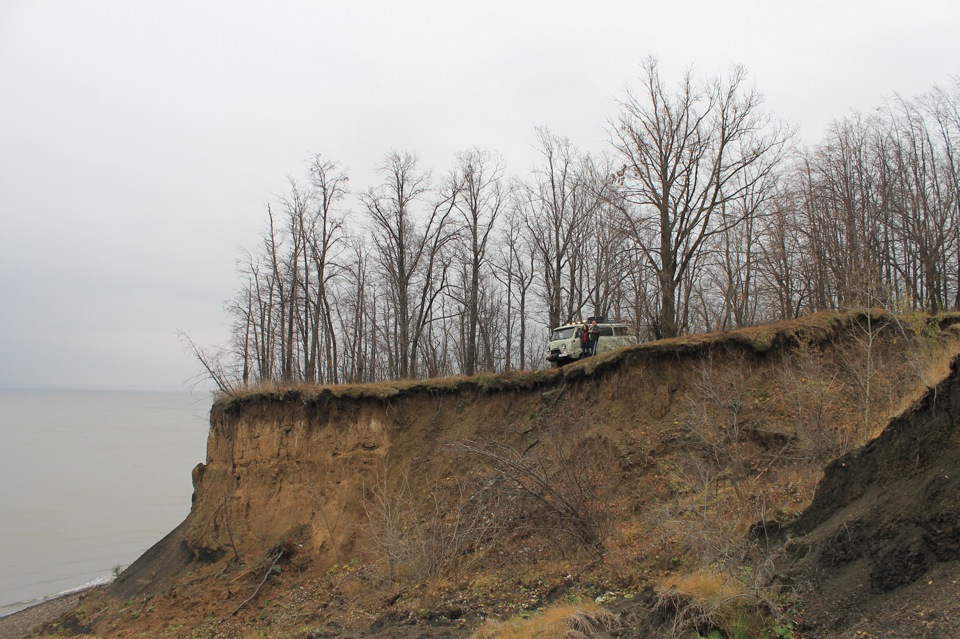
[[563, 333]]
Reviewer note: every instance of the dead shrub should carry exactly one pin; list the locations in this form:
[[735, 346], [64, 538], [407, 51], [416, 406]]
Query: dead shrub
[[714, 422], [431, 532], [556, 481], [863, 358], [814, 404]]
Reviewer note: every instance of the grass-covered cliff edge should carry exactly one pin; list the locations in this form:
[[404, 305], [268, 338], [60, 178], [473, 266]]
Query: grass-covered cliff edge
[[668, 489]]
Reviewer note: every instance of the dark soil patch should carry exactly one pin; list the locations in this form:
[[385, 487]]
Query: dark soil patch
[[883, 531]]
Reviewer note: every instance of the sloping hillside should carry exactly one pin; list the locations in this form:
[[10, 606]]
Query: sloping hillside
[[877, 551], [664, 481]]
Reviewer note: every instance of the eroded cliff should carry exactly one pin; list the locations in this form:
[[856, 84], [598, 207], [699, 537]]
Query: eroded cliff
[[463, 498]]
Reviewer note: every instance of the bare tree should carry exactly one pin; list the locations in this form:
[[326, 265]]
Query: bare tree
[[355, 310], [323, 236], [686, 155], [927, 213], [478, 177], [877, 209], [409, 252], [515, 270], [557, 207]]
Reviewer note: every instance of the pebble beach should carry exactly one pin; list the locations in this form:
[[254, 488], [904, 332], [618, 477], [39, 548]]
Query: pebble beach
[[23, 622]]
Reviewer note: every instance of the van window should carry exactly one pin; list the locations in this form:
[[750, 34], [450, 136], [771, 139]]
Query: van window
[[605, 330], [563, 333]]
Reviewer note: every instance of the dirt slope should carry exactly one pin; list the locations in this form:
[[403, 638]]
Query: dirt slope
[[878, 548], [425, 507]]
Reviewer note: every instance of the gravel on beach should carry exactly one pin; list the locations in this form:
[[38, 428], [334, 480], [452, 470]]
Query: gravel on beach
[[21, 623]]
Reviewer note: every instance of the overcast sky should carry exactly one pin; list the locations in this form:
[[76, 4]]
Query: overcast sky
[[141, 140]]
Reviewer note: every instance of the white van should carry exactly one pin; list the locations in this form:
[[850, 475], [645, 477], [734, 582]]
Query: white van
[[566, 341]]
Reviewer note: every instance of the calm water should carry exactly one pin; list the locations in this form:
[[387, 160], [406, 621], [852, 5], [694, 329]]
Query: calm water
[[88, 481]]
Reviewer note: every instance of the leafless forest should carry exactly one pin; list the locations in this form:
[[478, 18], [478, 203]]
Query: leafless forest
[[703, 214]]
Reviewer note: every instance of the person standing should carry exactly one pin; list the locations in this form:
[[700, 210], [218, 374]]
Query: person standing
[[594, 336]]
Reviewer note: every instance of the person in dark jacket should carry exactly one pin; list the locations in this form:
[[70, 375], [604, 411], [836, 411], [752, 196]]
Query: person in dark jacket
[[593, 335], [584, 333]]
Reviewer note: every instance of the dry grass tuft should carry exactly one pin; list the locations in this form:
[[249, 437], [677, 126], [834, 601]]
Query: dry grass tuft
[[565, 621], [705, 601], [707, 587]]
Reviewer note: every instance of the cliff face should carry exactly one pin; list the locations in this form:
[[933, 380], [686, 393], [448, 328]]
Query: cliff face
[[295, 469], [622, 463], [276, 467], [306, 468], [279, 468]]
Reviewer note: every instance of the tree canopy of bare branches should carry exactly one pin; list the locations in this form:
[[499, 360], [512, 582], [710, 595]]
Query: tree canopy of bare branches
[[701, 216]]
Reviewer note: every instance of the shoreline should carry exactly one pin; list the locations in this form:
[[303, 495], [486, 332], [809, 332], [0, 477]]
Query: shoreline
[[21, 623]]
